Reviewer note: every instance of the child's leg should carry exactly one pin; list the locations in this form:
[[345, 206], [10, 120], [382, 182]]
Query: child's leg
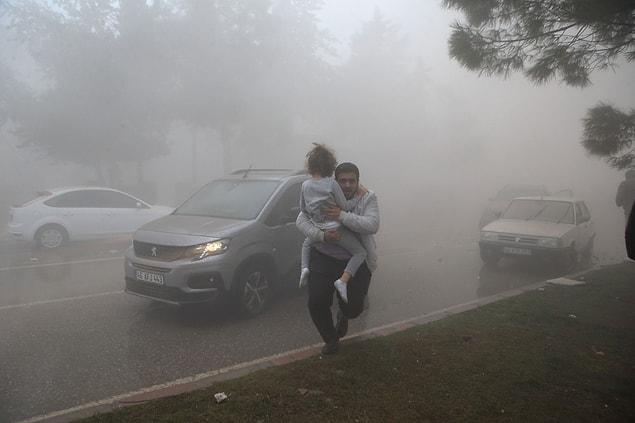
[[304, 263], [349, 242], [306, 253], [352, 244]]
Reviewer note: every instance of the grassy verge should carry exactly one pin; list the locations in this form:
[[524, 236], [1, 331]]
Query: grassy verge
[[558, 354]]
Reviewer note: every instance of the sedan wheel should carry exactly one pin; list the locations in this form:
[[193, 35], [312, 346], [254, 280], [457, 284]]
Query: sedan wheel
[[50, 237], [253, 290]]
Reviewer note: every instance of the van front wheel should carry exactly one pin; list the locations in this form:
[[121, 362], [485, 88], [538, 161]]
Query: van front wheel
[[253, 289]]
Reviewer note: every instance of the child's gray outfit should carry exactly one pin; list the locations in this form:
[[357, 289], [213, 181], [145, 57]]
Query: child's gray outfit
[[315, 194]]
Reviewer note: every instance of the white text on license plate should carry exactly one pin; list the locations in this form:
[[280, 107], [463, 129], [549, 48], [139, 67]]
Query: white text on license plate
[[517, 251], [150, 277]]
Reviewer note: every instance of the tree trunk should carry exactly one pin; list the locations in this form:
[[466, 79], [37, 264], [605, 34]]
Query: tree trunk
[[99, 174], [194, 154], [226, 137], [114, 175], [139, 168], [226, 144]]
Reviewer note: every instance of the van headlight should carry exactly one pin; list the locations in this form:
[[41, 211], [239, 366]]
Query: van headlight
[[549, 242], [489, 236], [214, 248]]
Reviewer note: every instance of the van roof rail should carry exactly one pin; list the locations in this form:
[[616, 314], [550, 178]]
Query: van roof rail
[[283, 171]]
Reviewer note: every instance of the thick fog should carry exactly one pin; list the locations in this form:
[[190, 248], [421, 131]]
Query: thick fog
[[432, 139], [157, 98]]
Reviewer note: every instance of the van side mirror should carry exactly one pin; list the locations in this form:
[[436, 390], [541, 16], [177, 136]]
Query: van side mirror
[[291, 215]]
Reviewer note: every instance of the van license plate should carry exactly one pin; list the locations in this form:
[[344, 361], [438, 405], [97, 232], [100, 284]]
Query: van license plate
[[156, 278], [517, 251]]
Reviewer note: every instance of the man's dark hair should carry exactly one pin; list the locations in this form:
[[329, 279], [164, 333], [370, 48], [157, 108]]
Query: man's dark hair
[[321, 160], [347, 167]]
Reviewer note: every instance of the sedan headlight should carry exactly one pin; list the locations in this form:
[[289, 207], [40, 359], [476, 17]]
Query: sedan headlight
[[214, 248], [489, 236], [549, 242]]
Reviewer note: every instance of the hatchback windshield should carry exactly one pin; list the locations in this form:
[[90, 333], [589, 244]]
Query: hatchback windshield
[[233, 199], [546, 211]]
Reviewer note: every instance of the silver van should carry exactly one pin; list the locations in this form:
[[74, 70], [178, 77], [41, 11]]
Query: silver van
[[235, 238]]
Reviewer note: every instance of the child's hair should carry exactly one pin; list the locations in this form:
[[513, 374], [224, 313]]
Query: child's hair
[[321, 160]]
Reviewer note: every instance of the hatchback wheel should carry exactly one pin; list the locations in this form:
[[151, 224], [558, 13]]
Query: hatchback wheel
[[51, 236], [490, 258], [587, 253], [568, 261], [253, 290]]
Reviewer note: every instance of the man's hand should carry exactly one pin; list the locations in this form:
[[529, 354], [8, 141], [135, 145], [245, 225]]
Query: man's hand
[[332, 236], [332, 211]]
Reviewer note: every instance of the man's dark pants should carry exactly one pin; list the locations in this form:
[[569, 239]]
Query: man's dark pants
[[324, 270]]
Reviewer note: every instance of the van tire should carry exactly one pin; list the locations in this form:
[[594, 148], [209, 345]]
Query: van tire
[[252, 289]]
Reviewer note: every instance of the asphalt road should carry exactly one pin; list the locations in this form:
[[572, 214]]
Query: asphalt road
[[69, 335]]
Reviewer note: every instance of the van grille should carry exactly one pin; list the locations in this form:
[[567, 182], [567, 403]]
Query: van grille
[[151, 268], [158, 252], [167, 293]]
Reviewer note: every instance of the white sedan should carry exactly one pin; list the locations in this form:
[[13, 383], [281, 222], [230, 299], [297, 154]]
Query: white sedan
[[62, 214], [550, 228]]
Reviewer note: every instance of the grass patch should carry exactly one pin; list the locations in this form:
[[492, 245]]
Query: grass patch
[[562, 354]]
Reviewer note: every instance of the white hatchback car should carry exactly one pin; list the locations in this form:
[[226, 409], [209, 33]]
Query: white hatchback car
[[62, 214], [558, 229]]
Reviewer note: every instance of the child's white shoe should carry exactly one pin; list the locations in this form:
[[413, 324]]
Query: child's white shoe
[[341, 289], [304, 277]]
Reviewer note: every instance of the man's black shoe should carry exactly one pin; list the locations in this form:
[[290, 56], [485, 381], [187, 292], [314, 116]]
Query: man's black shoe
[[341, 326], [331, 347]]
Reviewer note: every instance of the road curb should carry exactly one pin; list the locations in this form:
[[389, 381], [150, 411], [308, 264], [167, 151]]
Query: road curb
[[207, 379]]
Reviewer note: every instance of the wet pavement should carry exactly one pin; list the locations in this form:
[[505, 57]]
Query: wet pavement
[[69, 335]]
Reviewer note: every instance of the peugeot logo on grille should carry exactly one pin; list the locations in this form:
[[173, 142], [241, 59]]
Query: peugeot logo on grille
[[154, 251], [517, 239]]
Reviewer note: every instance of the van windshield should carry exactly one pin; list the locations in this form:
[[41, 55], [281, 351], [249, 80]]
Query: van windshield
[[231, 199]]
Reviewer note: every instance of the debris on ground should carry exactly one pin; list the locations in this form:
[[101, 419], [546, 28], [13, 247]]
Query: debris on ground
[[597, 352], [220, 397], [565, 282]]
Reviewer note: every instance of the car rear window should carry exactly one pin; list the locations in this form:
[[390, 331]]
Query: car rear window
[[232, 199], [38, 196]]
